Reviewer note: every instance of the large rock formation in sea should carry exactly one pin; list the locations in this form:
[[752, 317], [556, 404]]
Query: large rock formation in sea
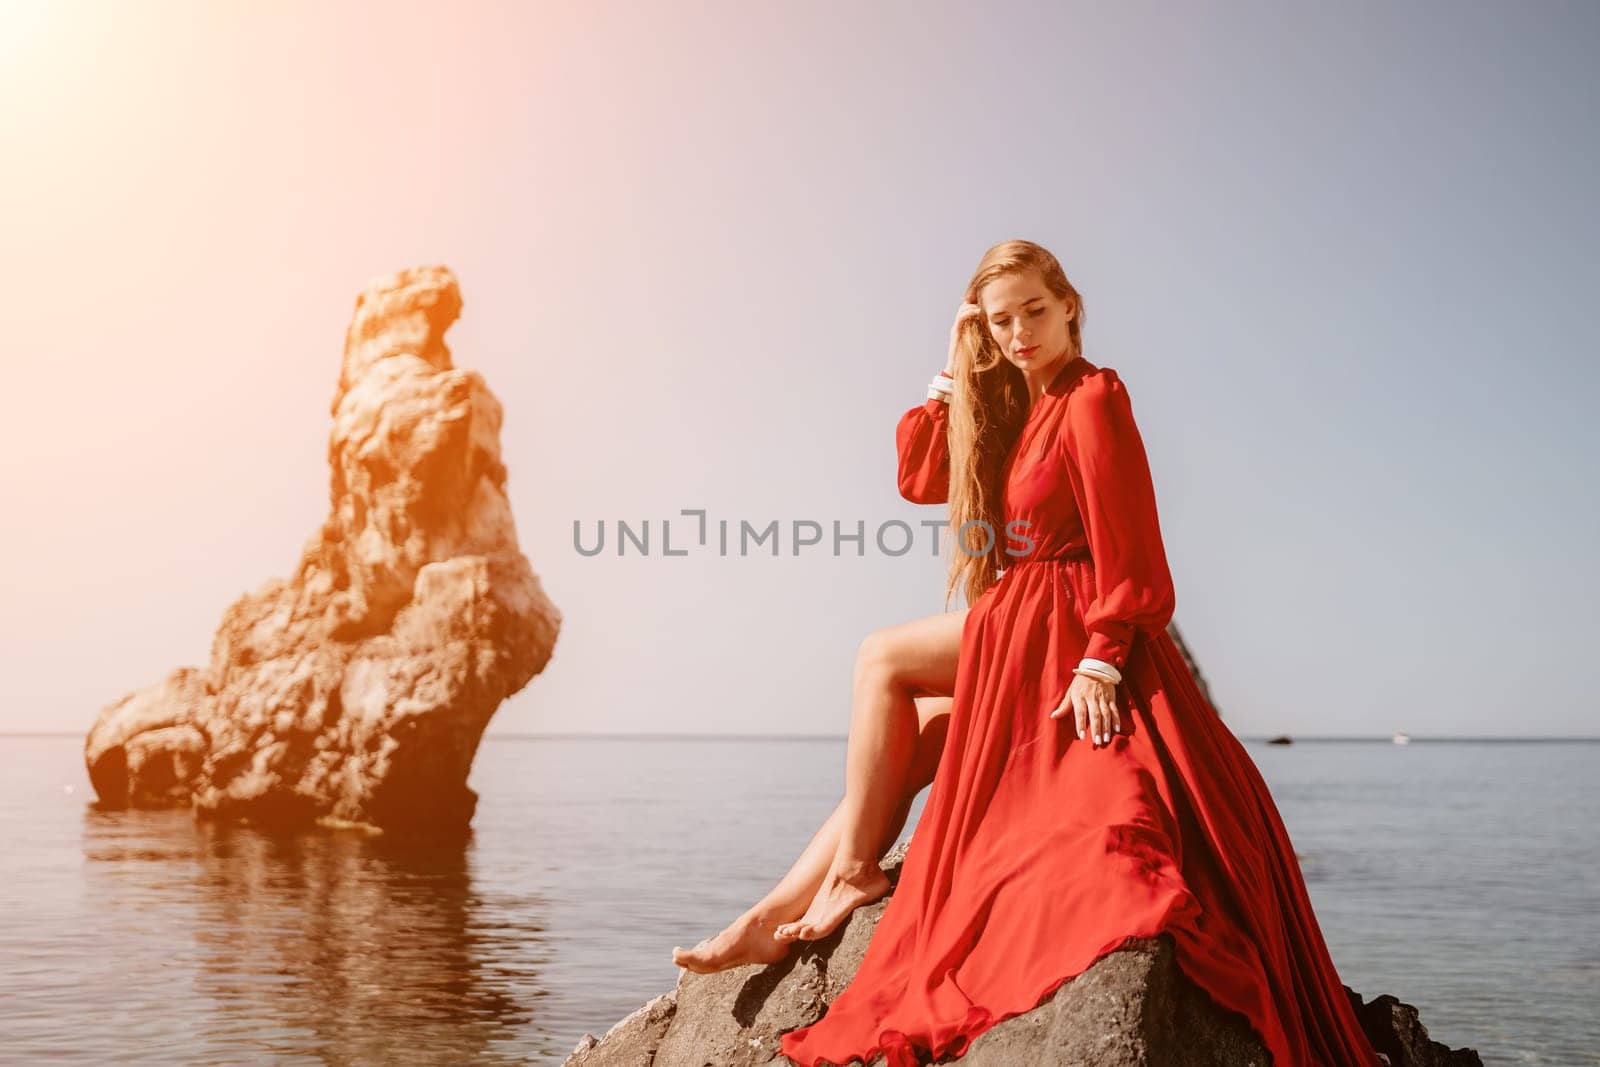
[[358, 688], [1132, 1008]]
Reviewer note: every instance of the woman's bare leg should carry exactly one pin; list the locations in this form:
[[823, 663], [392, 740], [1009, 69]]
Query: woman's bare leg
[[886, 681], [900, 710]]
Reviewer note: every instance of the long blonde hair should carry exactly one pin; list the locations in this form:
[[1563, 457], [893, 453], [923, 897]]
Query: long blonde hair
[[986, 416]]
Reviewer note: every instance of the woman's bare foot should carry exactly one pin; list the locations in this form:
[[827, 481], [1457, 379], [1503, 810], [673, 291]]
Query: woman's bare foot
[[748, 939], [842, 891]]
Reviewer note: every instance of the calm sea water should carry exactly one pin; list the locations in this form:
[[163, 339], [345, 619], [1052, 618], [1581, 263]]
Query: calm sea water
[[1459, 876]]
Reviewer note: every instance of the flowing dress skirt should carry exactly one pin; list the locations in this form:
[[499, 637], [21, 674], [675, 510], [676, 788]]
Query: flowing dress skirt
[[1037, 852]]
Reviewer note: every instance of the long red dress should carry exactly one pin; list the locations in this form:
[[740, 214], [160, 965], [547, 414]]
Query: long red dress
[[1037, 852]]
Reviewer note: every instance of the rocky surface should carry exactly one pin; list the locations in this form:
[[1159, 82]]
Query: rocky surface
[[1192, 664], [1132, 1008], [358, 688], [1398, 1034]]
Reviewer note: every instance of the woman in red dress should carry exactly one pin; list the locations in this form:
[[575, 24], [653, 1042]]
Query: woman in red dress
[[1086, 792]]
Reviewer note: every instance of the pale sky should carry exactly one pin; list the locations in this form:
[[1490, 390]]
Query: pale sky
[[1344, 258]]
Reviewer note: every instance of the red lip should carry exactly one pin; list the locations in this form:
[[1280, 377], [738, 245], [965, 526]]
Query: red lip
[[1025, 351]]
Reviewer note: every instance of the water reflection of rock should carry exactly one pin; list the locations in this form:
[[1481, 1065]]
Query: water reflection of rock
[[330, 948]]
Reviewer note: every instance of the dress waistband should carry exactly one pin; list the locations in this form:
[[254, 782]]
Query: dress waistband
[[1023, 561]]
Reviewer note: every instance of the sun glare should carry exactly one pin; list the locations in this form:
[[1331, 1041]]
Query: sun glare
[[24, 26]]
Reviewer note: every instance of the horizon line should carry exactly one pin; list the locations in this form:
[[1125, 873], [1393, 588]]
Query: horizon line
[[646, 736]]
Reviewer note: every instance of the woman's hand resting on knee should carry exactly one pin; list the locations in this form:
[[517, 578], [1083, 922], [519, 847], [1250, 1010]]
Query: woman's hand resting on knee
[[1093, 704]]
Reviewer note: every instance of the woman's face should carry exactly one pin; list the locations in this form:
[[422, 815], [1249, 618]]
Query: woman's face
[[1028, 322]]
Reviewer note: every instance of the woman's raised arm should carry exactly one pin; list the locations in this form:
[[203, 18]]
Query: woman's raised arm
[[923, 447]]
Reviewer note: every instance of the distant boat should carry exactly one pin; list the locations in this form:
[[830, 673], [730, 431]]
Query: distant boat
[[1401, 737], [1281, 739]]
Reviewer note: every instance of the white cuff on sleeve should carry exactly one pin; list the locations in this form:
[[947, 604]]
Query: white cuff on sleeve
[[1100, 669]]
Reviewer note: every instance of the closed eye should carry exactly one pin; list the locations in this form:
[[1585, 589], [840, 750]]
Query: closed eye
[[1035, 313]]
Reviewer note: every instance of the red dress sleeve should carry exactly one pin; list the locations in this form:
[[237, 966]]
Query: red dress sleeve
[[1117, 500], [924, 450]]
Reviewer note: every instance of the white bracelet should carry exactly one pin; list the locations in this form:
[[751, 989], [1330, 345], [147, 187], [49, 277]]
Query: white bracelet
[[935, 394], [943, 384], [1099, 668]]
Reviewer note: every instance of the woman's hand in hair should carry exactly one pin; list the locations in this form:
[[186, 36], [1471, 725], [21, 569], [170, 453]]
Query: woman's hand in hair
[[965, 312], [1093, 704]]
